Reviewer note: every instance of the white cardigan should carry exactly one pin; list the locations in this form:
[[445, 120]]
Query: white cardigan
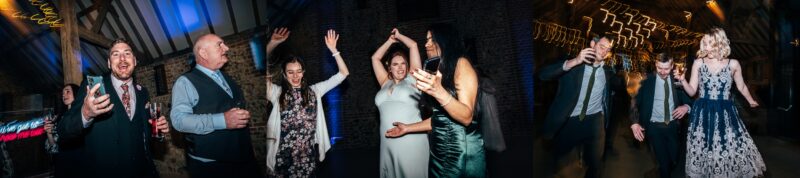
[[274, 122]]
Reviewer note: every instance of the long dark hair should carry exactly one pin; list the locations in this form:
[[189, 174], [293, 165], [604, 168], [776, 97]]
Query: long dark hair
[[452, 47], [62, 108], [286, 86], [395, 50]]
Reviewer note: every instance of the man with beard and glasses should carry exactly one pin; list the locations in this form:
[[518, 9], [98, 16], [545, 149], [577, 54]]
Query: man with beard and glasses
[[113, 126]]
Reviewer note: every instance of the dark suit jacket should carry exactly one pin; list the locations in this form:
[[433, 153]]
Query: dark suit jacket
[[569, 88], [108, 151], [642, 106]]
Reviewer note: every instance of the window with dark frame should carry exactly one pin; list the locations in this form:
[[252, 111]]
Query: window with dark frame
[[160, 78]]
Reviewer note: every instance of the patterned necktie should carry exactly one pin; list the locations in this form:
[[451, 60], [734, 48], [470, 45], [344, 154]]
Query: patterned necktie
[[667, 114], [588, 94], [126, 99]]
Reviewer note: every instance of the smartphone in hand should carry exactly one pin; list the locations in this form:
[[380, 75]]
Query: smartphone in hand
[[92, 80], [432, 65]]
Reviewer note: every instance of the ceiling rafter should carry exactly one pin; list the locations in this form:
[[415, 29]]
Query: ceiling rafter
[[143, 47], [163, 25], [147, 28], [255, 12], [101, 15], [233, 17], [180, 22], [208, 16]]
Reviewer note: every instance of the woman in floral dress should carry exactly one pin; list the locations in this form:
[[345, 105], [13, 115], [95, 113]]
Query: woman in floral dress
[[718, 142], [297, 135]]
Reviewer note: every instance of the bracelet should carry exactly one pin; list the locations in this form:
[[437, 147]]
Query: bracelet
[[336, 54], [448, 101]]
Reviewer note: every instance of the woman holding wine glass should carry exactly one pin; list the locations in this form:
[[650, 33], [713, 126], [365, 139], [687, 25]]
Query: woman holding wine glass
[[65, 152], [718, 144]]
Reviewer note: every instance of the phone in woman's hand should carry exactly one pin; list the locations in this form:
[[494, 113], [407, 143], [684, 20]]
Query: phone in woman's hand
[[432, 65]]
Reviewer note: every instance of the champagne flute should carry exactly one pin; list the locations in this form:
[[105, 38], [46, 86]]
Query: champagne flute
[[49, 114], [680, 70]]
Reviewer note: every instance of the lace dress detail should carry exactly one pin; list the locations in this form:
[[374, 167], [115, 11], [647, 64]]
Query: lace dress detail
[[718, 142]]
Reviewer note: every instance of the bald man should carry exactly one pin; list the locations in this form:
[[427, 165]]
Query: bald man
[[208, 106]]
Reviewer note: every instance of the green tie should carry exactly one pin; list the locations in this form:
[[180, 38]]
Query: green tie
[[667, 114], [588, 94]]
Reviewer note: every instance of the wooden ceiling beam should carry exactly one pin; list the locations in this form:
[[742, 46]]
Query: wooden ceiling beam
[[94, 38], [163, 25], [96, 5], [208, 17], [147, 28], [143, 45], [183, 26], [233, 16], [101, 15], [255, 12]]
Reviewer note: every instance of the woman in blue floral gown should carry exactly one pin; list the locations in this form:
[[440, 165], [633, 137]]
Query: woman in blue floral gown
[[718, 142]]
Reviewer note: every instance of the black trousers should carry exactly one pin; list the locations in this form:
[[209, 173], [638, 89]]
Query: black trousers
[[664, 143], [199, 169], [589, 133]]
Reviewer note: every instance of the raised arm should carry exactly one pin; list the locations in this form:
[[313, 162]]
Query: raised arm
[[554, 71], [330, 41], [740, 85], [413, 49], [690, 87], [279, 35], [380, 72]]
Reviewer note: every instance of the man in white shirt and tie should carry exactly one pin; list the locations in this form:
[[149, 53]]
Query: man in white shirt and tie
[[655, 111], [114, 127]]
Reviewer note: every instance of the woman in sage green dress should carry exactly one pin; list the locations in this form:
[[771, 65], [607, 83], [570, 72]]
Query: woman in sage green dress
[[397, 101], [456, 142]]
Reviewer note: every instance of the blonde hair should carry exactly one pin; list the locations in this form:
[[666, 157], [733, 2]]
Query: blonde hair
[[719, 45]]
